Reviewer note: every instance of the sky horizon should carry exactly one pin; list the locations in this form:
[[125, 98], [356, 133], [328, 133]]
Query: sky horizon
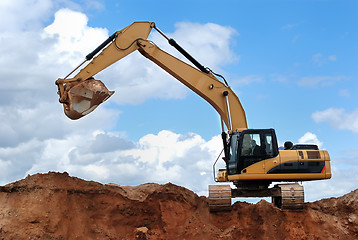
[[293, 64]]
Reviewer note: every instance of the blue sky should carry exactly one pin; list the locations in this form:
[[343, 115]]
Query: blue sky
[[293, 65]]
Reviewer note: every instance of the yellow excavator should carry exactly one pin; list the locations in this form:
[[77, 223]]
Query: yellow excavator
[[252, 156]]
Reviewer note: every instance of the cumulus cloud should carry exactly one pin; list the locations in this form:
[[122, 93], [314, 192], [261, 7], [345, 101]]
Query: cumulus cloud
[[338, 118], [32, 61], [209, 43], [164, 157], [24, 14], [74, 38], [343, 181], [310, 138]]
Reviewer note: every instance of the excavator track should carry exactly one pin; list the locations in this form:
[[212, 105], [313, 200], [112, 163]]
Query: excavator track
[[284, 196], [219, 198], [291, 197]]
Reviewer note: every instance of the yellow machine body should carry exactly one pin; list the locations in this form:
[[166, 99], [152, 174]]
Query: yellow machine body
[[289, 165]]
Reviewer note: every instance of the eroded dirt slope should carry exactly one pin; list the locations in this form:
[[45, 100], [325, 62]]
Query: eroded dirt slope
[[57, 206]]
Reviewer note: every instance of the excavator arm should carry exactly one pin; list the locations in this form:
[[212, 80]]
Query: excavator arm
[[82, 94]]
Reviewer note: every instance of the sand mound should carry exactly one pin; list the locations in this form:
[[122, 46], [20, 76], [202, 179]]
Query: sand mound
[[57, 206]]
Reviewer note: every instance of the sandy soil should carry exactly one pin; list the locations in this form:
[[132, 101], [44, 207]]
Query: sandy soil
[[57, 206]]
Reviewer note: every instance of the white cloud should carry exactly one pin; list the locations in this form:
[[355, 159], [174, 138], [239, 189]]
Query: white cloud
[[164, 157], [74, 38], [208, 43], [14, 161], [23, 15], [338, 118], [322, 81], [310, 138], [342, 182], [29, 108], [344, 178]]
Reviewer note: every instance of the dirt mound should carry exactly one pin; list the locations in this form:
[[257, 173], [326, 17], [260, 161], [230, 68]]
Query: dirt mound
[[57, 206]]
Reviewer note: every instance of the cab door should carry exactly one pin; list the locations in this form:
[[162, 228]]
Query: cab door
[[256, 145]]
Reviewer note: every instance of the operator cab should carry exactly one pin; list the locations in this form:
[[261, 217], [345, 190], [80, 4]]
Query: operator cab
[[249, 147]]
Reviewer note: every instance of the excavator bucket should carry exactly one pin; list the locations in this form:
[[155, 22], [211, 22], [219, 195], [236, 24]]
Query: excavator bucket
[[85, 97]]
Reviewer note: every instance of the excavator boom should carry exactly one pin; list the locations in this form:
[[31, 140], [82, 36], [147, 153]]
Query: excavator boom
[[81, 94]]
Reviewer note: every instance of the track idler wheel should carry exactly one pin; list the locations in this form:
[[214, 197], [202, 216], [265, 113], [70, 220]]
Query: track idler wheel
[[219, 198], [291, 197]]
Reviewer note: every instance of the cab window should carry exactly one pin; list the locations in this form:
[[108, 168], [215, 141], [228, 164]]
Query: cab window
[[251, 145], [268, 145]]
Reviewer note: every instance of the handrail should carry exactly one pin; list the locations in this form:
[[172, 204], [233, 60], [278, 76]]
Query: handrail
[[215, 164]]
